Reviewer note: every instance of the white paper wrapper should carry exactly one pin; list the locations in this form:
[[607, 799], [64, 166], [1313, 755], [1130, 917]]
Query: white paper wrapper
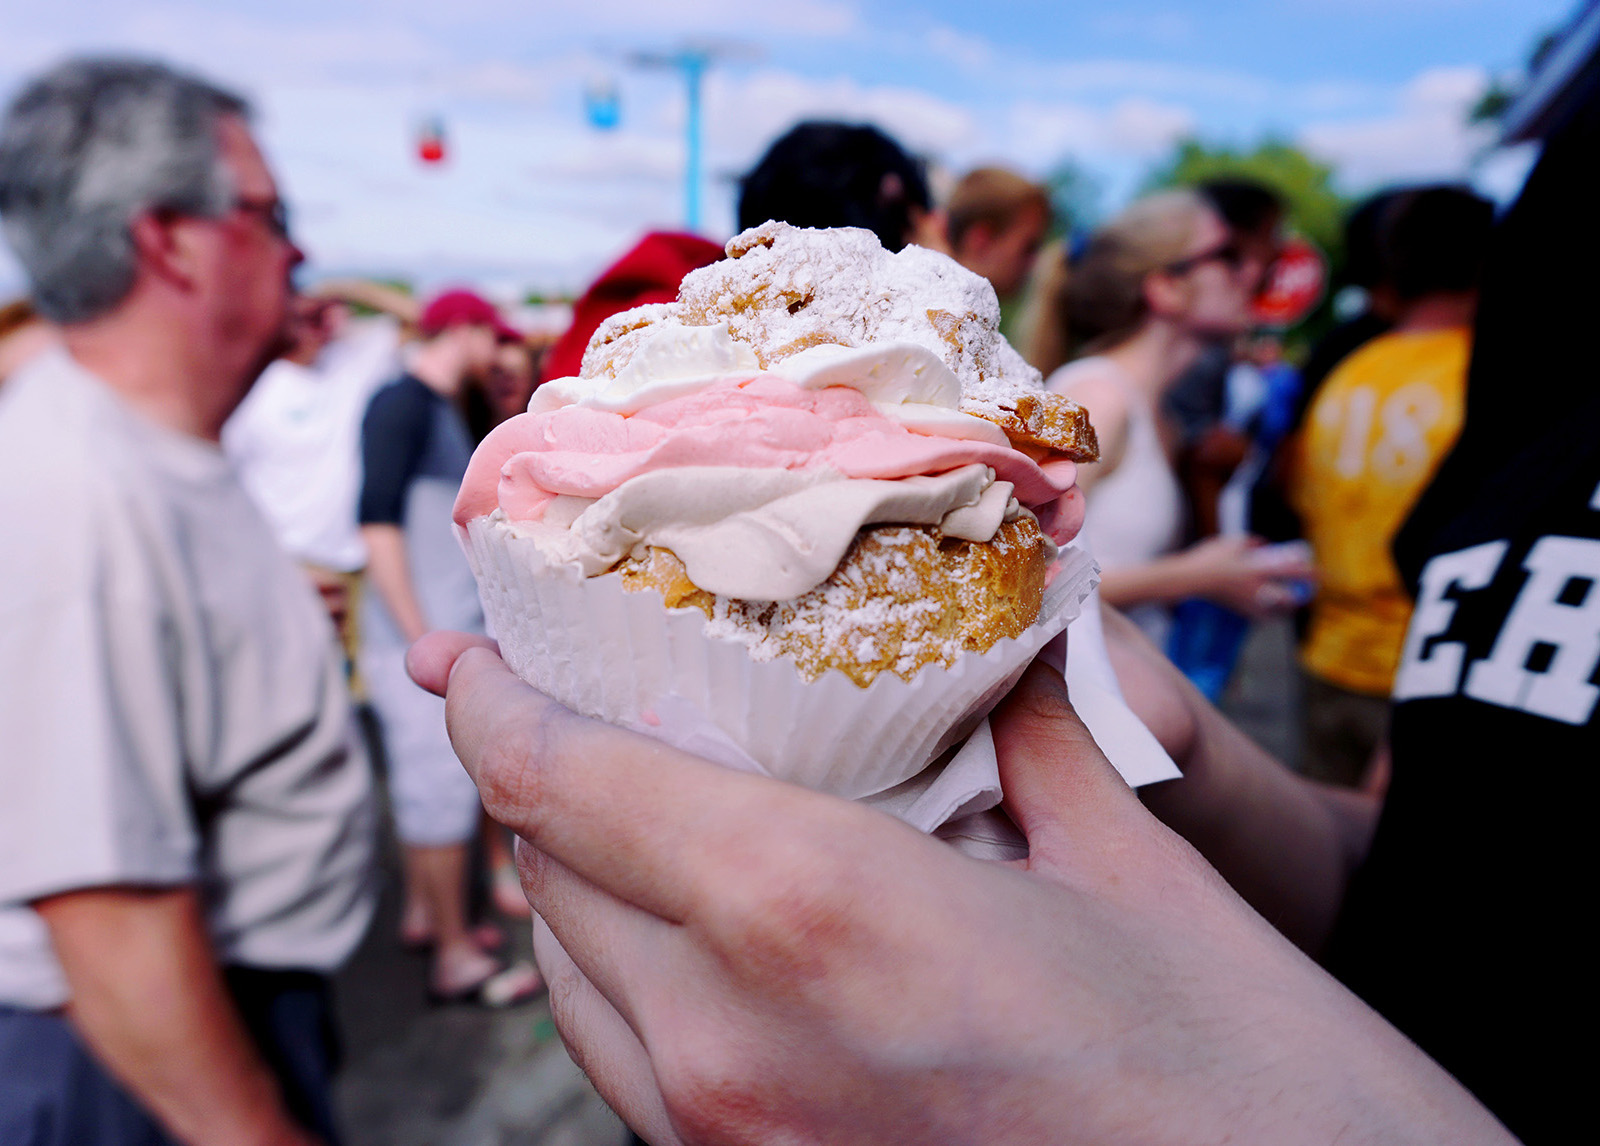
[[625, 658]]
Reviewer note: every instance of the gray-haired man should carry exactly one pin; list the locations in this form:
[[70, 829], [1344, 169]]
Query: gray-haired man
[[185, 836]]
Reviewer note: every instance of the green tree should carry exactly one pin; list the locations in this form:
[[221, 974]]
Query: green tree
[[1502, 90], [1314, 208], [1075, 197]]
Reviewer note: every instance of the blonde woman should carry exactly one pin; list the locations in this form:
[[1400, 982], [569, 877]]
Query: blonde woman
[[1152, 288]]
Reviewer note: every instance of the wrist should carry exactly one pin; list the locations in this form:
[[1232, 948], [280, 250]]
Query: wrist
[[1195, 576], [1345, 1073]]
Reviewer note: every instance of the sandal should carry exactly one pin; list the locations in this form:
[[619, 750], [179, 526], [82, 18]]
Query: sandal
[[504, 987], [487, 936]]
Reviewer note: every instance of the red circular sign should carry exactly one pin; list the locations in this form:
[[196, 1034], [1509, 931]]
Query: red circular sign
[[1294, 285]]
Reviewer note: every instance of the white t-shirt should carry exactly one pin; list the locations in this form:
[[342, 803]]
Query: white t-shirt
[[173, 711], [296, 442]]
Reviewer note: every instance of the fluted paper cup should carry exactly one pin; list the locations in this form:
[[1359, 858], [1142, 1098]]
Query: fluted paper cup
[[627, 659]]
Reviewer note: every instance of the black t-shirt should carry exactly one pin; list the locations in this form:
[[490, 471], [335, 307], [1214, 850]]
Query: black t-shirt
[[1466, 927], [409, 432]]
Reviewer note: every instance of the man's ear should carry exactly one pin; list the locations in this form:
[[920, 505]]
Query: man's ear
[[978, 239], [164, 244]]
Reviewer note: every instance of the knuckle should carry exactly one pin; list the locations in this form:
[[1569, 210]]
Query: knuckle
[[516, 760], [714, 1096], [1042, 719], [1047, 704], [794, 913], [567, 988], [509, 775], [533, 870]]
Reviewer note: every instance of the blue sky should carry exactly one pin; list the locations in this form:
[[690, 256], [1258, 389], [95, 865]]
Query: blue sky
[[533, 196]]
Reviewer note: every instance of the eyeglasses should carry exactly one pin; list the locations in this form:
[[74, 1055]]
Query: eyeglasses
[[273, 213], [1228, 252]]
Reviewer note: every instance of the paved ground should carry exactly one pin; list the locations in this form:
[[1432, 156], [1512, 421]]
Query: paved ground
[[422, 1075], [1264, 696], [417, 1075]]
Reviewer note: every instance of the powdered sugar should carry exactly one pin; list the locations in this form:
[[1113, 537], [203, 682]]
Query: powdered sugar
[[785, 289], [841, 629], [782, 291], [898, 602]]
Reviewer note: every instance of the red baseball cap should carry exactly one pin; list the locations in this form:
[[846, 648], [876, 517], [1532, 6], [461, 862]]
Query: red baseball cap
[[464, 307], [650, 272]]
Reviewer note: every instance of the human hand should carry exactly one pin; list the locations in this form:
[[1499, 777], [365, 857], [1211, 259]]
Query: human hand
[[149, 1000], [1242, 574], [334, 590], [733, 959]]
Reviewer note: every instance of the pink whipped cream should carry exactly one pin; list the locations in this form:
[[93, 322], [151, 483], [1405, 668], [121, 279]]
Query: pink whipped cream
[[763, 423]]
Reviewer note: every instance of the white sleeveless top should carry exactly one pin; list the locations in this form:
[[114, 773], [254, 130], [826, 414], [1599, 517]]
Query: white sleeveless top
[[1136, 512]]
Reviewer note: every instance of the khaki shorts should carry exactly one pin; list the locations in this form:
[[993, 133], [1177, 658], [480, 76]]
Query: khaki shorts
[[1343, 729], [349, 626]]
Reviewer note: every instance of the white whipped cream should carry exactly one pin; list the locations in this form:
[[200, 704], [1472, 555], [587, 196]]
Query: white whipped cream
[[887, 373], [763, 535], [674, 361], [902, 380]]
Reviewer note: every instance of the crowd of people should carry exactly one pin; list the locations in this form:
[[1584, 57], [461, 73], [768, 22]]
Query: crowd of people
[[227, 510]]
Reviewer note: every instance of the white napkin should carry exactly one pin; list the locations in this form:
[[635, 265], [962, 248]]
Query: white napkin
[[958, 801]]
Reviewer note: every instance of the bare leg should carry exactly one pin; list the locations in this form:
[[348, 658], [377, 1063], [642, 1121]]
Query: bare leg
[[416, 915], [505, 889], [496, 845], [440, 874]]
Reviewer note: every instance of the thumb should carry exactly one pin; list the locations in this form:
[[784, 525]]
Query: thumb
[[1059, 787]]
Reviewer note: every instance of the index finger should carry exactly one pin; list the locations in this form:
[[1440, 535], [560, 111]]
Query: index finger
[[653, 826]]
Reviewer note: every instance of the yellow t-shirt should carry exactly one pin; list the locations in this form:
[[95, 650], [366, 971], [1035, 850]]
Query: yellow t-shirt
[[1377, 431]]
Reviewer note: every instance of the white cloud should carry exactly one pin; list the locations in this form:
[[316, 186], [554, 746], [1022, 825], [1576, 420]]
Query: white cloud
[[1166, 28], [744, 113], [1146, 127], [1136, 128], [970, 54], [1147, 78], [632, 18], [1326, 97], [821, 18], [1426, 136], [535, 195]]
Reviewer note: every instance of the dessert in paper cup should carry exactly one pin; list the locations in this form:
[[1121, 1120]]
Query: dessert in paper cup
[[806, 521]]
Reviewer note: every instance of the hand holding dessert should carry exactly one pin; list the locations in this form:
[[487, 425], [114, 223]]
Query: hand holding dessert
[[816, 489], [1242, 574], [733, 959]]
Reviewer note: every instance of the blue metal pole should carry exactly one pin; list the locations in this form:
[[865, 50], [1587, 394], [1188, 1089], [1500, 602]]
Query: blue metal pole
[[694, 65]]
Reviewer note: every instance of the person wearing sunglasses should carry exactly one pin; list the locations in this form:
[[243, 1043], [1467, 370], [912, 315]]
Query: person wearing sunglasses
[[1210, 447], [1152, 289]]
